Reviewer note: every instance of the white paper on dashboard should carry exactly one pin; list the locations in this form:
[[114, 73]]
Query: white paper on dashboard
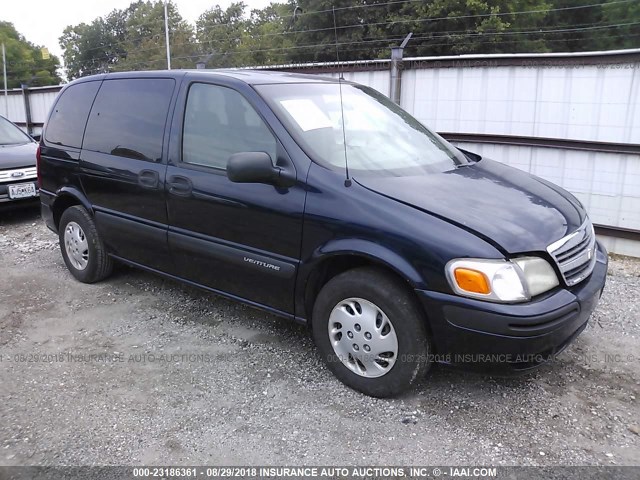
[[306, 114]]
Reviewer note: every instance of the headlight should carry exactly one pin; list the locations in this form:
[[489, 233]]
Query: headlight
[[501, 280], [538, 274]]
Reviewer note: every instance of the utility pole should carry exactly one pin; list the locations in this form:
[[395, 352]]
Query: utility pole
[[4, 70], [166, 34], [396, 70], [27, 107]]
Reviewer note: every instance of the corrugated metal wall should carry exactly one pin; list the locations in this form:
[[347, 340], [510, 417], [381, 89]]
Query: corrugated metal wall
[[593, 102], [40, 99]]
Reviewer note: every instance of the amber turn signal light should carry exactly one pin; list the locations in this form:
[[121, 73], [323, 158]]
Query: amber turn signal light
[[472, 280]]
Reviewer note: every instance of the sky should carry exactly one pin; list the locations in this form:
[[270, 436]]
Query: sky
[[42, 21]]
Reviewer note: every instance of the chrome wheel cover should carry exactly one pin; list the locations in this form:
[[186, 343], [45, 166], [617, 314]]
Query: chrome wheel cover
[[363, 337], [76, 246]]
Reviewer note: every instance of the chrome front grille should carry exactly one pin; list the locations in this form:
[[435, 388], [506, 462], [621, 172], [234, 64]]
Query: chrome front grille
[[575, 254], [18, 174]]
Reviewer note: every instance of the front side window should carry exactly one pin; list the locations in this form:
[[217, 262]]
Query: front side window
[[128, 118], [378, 137], [219, 122], [11, 135]]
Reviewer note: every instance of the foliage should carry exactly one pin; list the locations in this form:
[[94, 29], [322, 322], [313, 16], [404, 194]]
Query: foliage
[[144, 39], [25, 64], [220, 34], [304, 31], [128, 39]]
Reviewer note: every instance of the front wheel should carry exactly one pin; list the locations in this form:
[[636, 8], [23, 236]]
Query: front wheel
[[82, 249], [371, 332]]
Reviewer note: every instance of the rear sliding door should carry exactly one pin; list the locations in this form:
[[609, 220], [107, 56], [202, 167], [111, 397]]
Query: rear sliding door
[[123, 169]]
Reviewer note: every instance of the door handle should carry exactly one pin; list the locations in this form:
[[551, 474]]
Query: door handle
[[149, 179], [179, 185]]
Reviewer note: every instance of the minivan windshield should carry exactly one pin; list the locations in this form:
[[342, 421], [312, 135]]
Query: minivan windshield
[[11, 135], [380, 137]]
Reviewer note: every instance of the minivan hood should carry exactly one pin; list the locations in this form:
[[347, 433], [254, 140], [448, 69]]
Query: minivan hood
[[511, 209], [16, 156]]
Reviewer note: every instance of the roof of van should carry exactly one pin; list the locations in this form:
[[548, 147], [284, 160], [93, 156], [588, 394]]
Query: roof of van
[[269, 76], [252, 77]]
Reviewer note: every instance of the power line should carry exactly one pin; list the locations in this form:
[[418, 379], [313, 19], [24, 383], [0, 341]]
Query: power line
[[400, 2], [449, 35], [330, 46], [459, 34], [393, 22], [458, 17], [463, 35], [371, 43], [576, 7]]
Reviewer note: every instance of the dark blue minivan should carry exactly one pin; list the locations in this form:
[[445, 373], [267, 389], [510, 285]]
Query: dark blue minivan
[[322, 201]]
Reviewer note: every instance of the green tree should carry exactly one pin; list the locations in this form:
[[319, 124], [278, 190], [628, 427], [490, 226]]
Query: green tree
[[129, 39], [476, 26], [25, 62], [308, 31], [93, 48], [144, 38], [625, 36], [221, 35], [269, 39], [367, 29], [358, 31], [230, 38]]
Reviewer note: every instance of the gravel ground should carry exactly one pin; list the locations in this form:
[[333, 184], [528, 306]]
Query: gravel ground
[[142, 370]]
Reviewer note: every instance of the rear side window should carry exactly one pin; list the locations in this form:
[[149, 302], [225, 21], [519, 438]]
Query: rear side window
[[128, 118], [219, 122], [69, 117]]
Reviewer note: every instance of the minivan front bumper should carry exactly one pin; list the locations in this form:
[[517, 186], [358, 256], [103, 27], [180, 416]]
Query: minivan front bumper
[[520, 336]]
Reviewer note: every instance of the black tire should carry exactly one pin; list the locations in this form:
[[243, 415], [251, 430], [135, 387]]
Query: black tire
[[99, 265], [394, 299]]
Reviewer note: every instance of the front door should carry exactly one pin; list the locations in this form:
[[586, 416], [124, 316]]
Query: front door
[[241, 239]]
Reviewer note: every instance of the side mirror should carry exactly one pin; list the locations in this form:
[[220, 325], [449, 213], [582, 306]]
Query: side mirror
[[256, 167]]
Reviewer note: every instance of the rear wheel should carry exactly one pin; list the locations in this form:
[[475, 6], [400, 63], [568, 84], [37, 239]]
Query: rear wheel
[[82, 249], [371, 332]]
